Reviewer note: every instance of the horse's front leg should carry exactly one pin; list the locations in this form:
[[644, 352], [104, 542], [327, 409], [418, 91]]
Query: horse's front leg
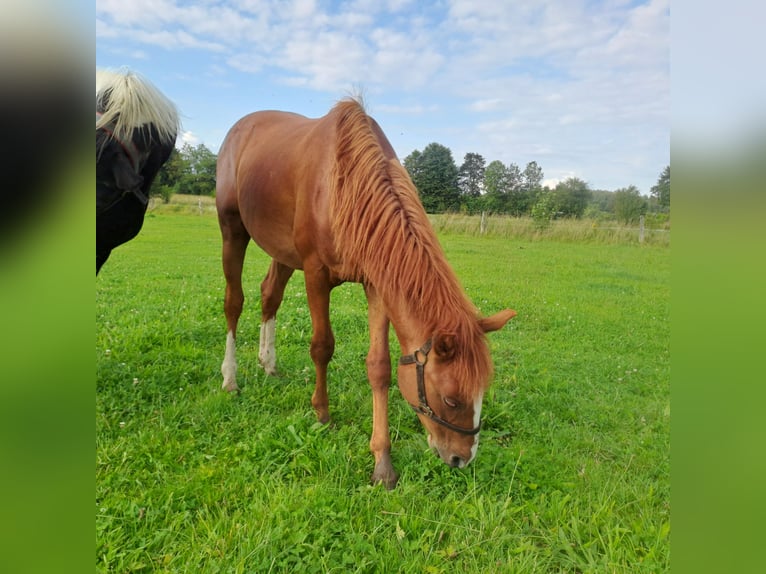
[[379, 375], [318, 288]]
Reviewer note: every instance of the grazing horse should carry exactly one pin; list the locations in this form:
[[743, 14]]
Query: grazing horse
[[136, 128], [328, 196]]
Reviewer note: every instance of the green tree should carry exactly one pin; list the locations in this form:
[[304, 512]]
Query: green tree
[[526, 192], [496, 187], [188, 170], [414, 166], [532, 177], [164, 185], [570, 197], [661, 191], [434, 173], [601, 200], [629, 204], [199, 176], [470, 176], [504, 191]]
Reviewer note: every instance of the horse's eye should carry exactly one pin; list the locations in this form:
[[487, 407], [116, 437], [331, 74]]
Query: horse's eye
[[450, 402]]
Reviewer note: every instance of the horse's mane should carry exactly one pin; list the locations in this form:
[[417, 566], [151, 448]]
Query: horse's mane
[[127, 101], [383, 236]]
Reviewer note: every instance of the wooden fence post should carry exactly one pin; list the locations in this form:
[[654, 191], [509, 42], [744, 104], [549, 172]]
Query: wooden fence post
[[641, 229], [483, 222]]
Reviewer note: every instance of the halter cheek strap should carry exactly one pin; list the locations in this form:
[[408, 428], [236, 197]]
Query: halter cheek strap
[[419, 358], [128, 147]]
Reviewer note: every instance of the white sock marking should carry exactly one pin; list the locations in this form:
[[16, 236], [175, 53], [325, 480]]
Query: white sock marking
[[229, 365], [266, 351]]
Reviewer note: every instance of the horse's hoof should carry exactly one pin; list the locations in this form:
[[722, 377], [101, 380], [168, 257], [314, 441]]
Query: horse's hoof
[[389, 479], [269, 364], [230, 386], [323, 418]]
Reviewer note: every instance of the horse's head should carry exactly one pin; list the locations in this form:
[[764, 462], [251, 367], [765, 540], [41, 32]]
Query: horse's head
[[124, 162], [136, 128], [441, 383]]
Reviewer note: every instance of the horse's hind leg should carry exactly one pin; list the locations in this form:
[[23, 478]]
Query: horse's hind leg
[[235, 240], [272, 291]]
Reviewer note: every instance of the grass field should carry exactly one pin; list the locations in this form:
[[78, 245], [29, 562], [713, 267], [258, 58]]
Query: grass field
[[572, 474]]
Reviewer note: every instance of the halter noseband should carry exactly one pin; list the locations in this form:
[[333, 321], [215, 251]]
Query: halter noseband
[[420, 358]]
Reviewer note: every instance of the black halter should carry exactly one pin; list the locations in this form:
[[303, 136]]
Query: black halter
[[420, 358]]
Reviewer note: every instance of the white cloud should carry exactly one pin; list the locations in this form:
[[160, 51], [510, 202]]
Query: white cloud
[[487, 105], [572, 81], [187, 137], [175, 40], [104, 30], [137, 12], [251, 63], [303, 9], [325, 61]]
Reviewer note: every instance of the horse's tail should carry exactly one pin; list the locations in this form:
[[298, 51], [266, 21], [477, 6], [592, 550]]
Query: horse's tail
[[126, 100]]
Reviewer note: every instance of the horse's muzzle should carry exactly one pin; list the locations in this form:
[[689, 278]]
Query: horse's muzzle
[[448, 457]]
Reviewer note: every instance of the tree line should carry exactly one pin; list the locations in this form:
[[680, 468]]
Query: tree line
[[189, 170], [507, 189], [474, 187]]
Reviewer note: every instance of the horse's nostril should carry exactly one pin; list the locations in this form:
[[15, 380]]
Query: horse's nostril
[[455, 461]]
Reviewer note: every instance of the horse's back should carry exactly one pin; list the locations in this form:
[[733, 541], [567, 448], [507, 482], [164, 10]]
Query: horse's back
[[270, 166]]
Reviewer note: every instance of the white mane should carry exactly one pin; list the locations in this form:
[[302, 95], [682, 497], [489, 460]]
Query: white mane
[[131, 102]]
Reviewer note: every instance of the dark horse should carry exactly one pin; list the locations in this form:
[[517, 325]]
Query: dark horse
[[329, 196], [136, 128]]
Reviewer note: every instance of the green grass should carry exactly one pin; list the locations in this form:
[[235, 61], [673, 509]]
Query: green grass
[[572, 474]]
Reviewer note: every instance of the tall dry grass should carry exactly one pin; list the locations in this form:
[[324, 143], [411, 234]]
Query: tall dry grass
[[580, 230], [575, 230]]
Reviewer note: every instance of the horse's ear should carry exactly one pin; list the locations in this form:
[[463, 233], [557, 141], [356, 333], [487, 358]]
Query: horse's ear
[[444, 347], [497, 321]]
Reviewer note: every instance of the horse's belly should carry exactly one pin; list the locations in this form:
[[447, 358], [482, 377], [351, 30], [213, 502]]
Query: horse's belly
[[277, 242]]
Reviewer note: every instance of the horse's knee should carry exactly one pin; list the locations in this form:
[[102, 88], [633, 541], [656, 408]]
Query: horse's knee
[[233, 303], [378, 371], [322, 349]]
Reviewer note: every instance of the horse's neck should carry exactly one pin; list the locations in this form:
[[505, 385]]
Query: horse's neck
[[414, 325], [443, 305], [410, 331]]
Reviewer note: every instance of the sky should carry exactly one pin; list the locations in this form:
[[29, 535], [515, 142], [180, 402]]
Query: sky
[[582, 87]]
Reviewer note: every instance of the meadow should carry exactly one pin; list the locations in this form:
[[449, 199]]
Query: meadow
[[572, 471]]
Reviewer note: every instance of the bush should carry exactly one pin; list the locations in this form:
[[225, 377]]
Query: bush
[[543, 211], [163, 191]]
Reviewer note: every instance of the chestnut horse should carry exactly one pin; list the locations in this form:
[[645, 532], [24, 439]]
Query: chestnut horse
[[328, 196], [136, 127]]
